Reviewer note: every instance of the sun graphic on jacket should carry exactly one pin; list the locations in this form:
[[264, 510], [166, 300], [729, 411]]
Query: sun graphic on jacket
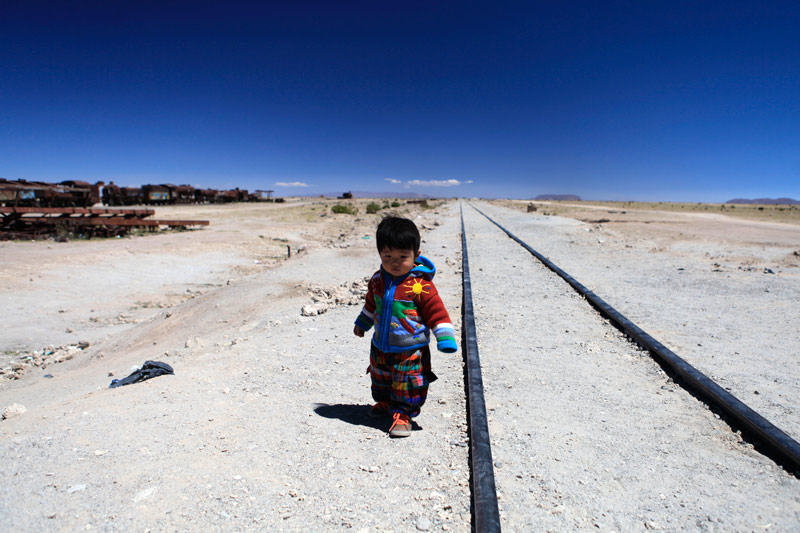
[[417, 288]]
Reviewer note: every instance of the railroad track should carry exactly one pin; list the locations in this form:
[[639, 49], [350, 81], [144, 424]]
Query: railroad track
[[764, 435], [486, 515]]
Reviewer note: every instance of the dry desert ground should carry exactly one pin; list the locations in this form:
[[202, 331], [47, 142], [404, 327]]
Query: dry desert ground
[[263, 426]]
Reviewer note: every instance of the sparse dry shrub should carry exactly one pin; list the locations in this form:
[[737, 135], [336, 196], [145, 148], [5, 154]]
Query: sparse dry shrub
[[347, 209]]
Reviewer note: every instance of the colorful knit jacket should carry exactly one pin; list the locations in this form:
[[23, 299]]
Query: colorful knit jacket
[[406, 310]]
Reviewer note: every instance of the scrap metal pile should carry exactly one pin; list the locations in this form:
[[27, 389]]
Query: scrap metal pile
[[33, 222], [38, 209], [24, 193]]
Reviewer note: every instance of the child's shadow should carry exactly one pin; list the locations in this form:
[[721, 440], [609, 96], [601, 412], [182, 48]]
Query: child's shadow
[[358, 415]]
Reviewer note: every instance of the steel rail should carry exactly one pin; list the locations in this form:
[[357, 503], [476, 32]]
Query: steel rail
[[485, 512], [776, 444]]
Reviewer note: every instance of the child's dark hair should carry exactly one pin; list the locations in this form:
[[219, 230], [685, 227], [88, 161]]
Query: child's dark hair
[[398, 234]]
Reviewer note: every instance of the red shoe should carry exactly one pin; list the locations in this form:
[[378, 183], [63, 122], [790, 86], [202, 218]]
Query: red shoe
[[401, 427], [379, 409]]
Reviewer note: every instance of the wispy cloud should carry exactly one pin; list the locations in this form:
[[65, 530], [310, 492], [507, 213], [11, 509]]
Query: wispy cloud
[[392, 180], [436, 183], [290, 184]]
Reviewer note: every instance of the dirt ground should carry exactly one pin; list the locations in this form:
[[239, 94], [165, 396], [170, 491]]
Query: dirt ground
[[261, 427], [590, 434], [722, 292], [264, 424], [669, 223]]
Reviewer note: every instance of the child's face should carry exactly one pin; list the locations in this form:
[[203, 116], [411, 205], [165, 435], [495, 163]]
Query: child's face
[[397, 262]]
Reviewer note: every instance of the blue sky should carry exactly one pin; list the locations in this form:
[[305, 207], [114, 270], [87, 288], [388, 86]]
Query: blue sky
[[678, 101]]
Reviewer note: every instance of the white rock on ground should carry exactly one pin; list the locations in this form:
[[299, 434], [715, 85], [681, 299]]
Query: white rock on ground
[[13, 410]]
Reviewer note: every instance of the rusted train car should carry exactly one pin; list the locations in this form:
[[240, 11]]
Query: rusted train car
[[69, 193], [114, 195], [23, 193]]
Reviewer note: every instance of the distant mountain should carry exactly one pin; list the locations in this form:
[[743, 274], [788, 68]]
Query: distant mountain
[[559, 197], [764, 201], [369, 194]]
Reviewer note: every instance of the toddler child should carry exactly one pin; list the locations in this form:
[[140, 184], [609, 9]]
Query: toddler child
[[404, 306]]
